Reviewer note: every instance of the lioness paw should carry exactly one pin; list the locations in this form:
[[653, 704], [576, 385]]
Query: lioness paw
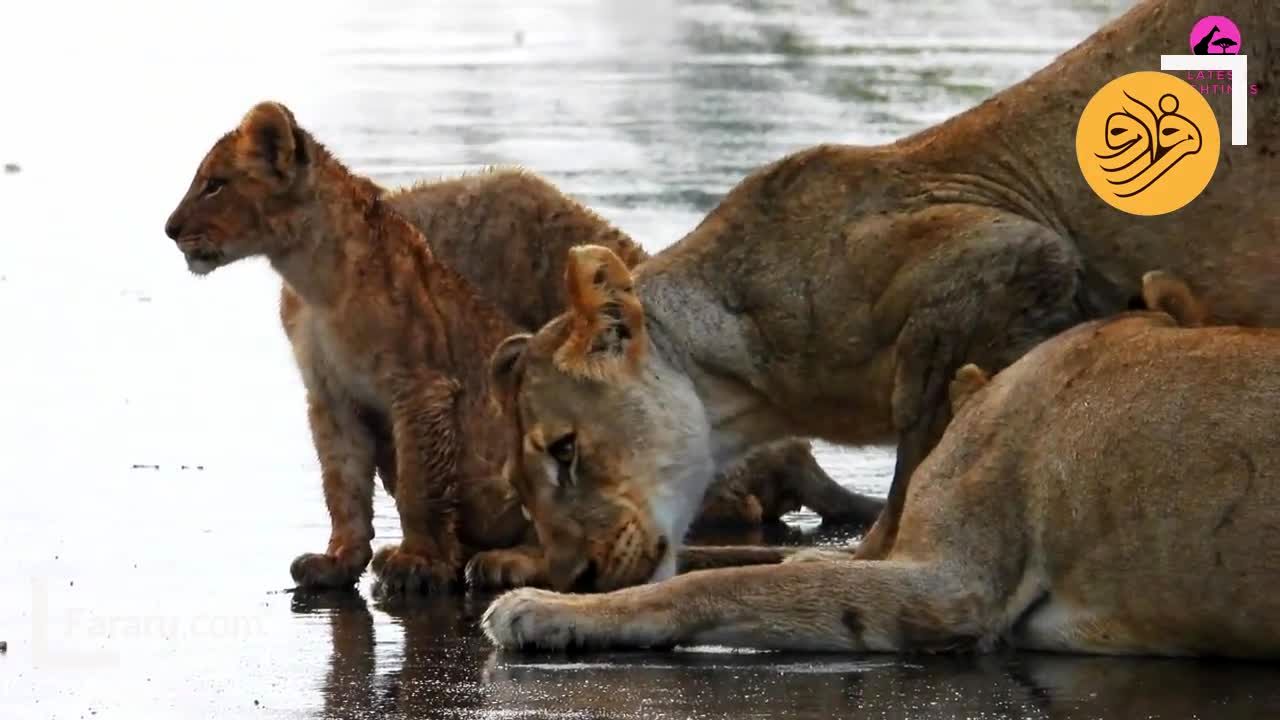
[[501, 569], [399, 572], [531, 618], [314, 571]]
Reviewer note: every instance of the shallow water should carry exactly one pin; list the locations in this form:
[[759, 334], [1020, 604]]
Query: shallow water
[[158, 474]]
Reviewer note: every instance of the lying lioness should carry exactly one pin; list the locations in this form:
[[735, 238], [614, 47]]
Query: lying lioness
[[834, 294], [392, 342], [1116, 490]]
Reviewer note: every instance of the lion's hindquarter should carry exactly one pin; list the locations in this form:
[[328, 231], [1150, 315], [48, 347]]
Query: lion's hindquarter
[[1151, 506]]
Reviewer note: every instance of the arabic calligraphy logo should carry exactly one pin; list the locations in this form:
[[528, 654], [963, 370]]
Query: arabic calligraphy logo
[[1147, 143]]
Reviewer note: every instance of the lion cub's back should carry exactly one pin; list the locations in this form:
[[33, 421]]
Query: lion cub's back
[[508, 232]]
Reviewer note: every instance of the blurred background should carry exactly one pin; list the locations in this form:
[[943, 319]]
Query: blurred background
[[157, 472]]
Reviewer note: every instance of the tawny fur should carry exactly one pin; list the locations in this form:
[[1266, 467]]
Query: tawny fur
[[508, 231], [1114, 491], [387, 340], [835, 292], [391, 341]]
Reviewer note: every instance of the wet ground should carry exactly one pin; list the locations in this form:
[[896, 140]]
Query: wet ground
[[157, 471]]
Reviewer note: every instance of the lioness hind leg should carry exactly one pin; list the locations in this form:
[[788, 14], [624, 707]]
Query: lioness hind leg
[[818, 491], [346, 450], [850, 606], [1054, 625]]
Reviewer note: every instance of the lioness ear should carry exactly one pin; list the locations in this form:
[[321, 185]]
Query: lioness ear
[[968, 380], [504, 368], [607, 330], [271, 144], [1168, 294]]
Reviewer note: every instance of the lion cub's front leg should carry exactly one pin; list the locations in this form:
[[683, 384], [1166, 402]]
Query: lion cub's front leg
[[425, 431], [346, 450], [508, 568]]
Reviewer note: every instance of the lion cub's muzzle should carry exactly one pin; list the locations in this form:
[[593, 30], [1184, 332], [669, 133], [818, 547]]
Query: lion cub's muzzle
[[201, 254]]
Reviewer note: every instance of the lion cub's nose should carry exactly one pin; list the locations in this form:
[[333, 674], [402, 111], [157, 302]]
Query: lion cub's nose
[[173, 228]]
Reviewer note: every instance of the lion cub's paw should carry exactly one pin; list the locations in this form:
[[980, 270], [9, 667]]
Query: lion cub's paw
[[314, 571], [820, 555], [531, 618], [399, 572], [501, 569]]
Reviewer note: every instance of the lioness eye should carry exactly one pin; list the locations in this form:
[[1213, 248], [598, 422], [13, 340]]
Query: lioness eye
[[212, 187], [563, 449]]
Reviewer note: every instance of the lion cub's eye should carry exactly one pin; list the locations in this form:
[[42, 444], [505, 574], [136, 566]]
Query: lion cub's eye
[[212, 187], [563, 449]]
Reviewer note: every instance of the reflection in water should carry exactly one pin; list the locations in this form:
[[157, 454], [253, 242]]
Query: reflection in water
[[439, 666], [431, 668]]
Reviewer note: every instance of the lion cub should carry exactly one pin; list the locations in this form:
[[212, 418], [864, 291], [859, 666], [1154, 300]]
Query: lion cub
[[390, 343]]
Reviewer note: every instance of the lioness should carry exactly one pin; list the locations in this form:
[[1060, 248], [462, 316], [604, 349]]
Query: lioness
[[391, 344], [1116, 490], [508, 232], [835, 292]]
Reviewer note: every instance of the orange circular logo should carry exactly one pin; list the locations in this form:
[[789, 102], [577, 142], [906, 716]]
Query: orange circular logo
[[1147, 143]]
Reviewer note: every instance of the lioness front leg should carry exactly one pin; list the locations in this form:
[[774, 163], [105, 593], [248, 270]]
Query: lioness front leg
[[707, 557], [345, 448], [425, 432], [1000, 287], [848, 606]]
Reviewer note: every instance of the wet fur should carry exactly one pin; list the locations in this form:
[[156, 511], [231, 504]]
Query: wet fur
[[386, 303]]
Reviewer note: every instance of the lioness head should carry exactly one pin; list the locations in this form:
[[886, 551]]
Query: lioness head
[[613, 452], [248, 189]]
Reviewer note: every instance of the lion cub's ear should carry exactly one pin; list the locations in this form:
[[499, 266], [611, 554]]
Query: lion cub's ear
[[505, 366], [1166, 293], [607, 332], [968, 380], [270, 144]]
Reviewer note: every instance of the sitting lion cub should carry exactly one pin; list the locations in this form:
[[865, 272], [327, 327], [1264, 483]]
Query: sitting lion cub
[[390, 343], [1115, 491]]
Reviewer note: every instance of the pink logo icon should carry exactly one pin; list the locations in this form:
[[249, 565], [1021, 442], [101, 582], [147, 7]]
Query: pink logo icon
[[1215, 35]]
